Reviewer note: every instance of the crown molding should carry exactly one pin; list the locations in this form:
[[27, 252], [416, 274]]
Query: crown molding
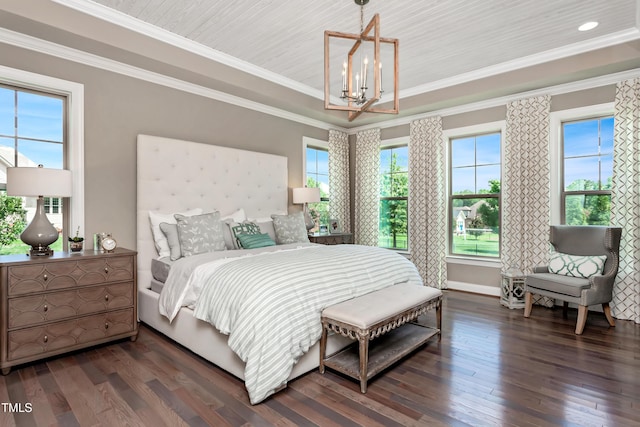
[[123, 20], [126, 21], [53, 49], [503, 100], [527, 61]]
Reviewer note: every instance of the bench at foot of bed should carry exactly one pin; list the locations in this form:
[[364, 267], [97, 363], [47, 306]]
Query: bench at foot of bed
[[387, 316]]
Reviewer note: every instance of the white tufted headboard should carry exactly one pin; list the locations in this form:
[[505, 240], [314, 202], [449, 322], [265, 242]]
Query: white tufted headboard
[[175, 175]]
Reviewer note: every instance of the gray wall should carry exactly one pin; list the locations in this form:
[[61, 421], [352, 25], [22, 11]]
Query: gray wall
[[118, 108]]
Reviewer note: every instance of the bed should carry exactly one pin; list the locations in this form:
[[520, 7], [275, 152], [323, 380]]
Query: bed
[[181, 176]]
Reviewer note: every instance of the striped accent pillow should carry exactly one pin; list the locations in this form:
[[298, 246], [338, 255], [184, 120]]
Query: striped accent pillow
[[252, 241]]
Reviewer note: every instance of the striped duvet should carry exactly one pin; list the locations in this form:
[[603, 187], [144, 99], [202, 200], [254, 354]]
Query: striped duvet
[[270, 303]]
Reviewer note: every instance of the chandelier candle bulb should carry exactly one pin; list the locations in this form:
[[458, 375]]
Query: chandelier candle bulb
[[365, 66], [344, 76]]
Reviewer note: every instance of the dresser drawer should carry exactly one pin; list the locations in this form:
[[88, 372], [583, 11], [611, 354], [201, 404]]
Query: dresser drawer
[[70, 334], [29, 278], [47, 307]]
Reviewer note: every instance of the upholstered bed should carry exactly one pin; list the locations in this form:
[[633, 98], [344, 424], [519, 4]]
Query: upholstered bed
[[180, 176]]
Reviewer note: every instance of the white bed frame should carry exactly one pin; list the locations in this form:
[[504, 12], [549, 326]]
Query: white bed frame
[[175, 175]]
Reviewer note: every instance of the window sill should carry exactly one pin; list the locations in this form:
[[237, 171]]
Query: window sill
[[491, 263]]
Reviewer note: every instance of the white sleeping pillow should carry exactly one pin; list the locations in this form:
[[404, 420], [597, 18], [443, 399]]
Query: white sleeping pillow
[[156, 218]]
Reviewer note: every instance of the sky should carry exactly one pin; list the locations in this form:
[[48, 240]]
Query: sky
[[40, 126]]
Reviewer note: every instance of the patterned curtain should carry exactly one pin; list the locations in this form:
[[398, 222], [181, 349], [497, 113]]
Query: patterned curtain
[[427, 200], [339, 205], [525, 185], [367, 197], [625, 199]]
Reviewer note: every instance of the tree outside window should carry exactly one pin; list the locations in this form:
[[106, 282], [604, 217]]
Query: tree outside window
[[32, 132], [475, 195], [394, 192], [587, 147], [318, 176]]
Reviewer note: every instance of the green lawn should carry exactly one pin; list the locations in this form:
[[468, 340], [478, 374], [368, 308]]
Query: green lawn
[[387, 241], [17, 247], [486, 244]]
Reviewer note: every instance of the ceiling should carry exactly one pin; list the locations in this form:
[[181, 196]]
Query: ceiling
[[451, 51]]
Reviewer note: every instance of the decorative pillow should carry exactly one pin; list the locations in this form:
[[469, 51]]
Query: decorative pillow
[[245, 228], [252, 241], [290, 228], [576, 265], [229, 221], [171, 233], [160, 240], [200, 233]]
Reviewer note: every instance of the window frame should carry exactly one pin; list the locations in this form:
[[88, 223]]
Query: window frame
[[463, 132], [385, 145], [74, 161], [557, 119], [316, 144]]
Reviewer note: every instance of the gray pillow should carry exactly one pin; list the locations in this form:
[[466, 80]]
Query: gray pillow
[[290, 228], [200, 233], [170, 231]]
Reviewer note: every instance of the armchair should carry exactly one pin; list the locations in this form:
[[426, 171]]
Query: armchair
[[567, 283]]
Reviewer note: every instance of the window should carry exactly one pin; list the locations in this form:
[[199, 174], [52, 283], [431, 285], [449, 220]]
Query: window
[[317, 164], [587, 170], [475, 195], [394, 192], [32, 132]]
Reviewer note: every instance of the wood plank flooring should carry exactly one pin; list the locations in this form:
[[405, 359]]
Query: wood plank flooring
[[492, 368]]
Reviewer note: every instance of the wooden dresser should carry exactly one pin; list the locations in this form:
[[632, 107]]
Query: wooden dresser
[[68, 301], [331, 239]]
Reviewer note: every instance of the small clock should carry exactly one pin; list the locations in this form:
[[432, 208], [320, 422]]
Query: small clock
[[109, 243]]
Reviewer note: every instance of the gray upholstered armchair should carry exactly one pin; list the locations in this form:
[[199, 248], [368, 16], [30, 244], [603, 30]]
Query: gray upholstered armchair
[[564, 281]]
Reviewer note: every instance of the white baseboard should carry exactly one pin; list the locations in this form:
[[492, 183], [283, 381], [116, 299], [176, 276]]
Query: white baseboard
[[476, 289]]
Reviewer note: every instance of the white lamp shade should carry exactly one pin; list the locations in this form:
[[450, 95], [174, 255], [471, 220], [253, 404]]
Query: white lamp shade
[[306, 195], [34, 182]]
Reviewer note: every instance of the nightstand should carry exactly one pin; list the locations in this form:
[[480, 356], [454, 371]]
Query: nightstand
[[71, 300], [331, 239]]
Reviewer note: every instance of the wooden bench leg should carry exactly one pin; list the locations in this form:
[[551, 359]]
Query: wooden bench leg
[[323, 347], [364, 361], [439, 320]]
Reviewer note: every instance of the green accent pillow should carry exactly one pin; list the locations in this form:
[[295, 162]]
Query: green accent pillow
[[576, 265], [244, 229], [252, 241]]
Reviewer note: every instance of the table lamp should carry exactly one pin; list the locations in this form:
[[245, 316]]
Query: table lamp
[[39, 182], [304, 196]]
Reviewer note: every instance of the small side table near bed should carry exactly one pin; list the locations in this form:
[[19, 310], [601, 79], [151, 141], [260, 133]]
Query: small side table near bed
[[331, 239]]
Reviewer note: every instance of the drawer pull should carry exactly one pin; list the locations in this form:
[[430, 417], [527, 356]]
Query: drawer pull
[[106, 325], [45, 277], [106, 270], [46, 338], [45, 308], [106, 297]]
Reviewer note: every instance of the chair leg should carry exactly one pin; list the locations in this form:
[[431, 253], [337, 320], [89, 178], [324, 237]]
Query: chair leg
[[528, 303], [565, 309], [607, 313], [582, 318]]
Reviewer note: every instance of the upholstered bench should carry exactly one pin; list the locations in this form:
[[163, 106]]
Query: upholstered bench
[[379, 314]]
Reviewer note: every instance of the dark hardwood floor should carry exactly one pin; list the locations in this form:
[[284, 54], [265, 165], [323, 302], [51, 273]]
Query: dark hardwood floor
[[492, 368]]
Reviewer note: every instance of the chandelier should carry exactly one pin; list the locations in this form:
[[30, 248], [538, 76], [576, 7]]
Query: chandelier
[[358, 93]]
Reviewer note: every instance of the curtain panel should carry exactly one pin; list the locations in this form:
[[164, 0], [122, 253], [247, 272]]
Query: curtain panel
[[525, 185], [625, 199], [428, 200], [367, 183], [339, 199]]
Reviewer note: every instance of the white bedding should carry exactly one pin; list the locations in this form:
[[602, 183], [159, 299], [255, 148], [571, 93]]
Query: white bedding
[[269, 301]]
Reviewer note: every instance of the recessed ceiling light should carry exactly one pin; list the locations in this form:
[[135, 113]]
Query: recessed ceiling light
[[588, 26]]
